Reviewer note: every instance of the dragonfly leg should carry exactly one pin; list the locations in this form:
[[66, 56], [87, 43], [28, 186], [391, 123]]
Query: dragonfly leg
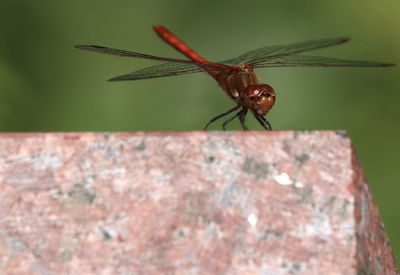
[[221, 115], [242, 119], [226, 122], [264, 122], [267, 122]]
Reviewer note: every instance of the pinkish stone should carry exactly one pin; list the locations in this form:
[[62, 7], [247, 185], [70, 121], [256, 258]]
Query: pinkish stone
[[187, 203]]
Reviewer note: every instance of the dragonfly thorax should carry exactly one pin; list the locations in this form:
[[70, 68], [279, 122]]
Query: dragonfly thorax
[[243, 86]]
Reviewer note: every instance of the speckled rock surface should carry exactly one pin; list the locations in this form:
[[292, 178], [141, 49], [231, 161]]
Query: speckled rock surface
[[187, 203]]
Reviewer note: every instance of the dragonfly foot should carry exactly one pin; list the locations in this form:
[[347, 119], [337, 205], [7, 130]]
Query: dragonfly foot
[[264, 123]]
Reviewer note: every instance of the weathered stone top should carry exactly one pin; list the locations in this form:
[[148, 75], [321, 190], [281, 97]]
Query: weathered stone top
[[187, 203]]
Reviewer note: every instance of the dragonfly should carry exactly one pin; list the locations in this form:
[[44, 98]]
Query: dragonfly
[[235, 76]]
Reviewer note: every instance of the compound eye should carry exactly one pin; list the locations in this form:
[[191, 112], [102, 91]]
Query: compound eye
[[261, 100], [266, 100]]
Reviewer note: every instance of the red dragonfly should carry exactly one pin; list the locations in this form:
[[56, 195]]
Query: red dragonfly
[[236, 76]]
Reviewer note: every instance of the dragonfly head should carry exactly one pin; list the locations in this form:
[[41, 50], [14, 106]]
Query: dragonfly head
[[259, 98]]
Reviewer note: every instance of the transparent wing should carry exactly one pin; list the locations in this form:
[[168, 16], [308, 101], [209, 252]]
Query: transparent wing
[[173, 67], [117, 52], [315, 61], [269, 52], [168, 69]]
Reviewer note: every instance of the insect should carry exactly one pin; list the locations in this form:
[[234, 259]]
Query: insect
[[236, 76]]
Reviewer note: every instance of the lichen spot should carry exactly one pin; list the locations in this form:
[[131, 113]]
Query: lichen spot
[[252, 219]]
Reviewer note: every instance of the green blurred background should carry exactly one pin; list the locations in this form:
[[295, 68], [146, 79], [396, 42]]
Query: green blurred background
[[47, 85]]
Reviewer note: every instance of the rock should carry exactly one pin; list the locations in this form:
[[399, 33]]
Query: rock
[[187, 203]]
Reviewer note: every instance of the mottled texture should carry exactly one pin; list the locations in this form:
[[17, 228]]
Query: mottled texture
[[187, 203]]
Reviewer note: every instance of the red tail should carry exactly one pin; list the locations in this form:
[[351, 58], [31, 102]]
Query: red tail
[[178, 44]]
